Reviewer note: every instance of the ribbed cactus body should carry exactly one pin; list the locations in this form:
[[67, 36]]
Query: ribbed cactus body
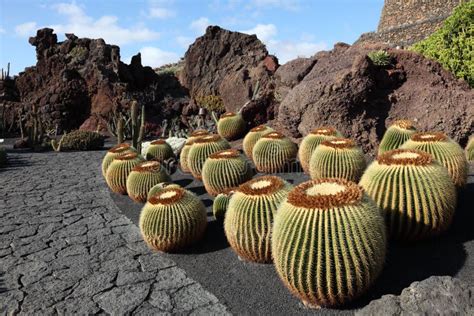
[[252, 137], [396, 135], [143, 177], [183, 156], [329, 242], [470, 149], [172, 219], [249, 217], [220, 204], [313, 140], [201, 149], [119, 169], [161, 186], [159, 150], [198, 133], [337, 158], [224, 170], [231, 126], [113, 153], [443, 149], [273, 152], [415, 192]]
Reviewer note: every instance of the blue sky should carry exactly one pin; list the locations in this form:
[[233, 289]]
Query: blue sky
[[162, 29]]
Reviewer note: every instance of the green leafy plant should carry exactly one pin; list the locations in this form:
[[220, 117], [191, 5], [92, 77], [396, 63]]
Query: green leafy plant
[[380, 58]]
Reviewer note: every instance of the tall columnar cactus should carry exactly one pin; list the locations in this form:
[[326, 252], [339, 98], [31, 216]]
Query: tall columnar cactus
[[143, 177], [138, 125], [231, 125], [201, 149], [161, 186], [183, 156], [397, 134], [114, 152], [172, 219], [415, 192], [249, 217], [470, 149], [198, 133], [337, 158], [159, 150], [252, 137], [329, 242], [272, 152], [224, 170], [220, 204], [313, 140], [119, 170], [443, 149]]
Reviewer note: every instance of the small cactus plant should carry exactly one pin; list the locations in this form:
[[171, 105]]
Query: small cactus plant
[[183, 156], [114, 152], [119, 170], [249, 218], [252, 137], [201, 149], [415, 192], [273, 152], [231, 125], [224, 170], [470, 149], [443, 149], [313, 140], [172, 219], [143, 177], [329, 242], [397, 134], [337, 158], [161, 186], [220, 204], [159, 150]]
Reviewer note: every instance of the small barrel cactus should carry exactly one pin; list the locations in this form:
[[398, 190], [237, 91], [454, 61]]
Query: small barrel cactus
[[183, 156], [201, 149], [172, 219], [337, 158], [220, 204], [161, 186], [252, 137], [397, 134], [470, 149], [443, 149], [249, 217], [119, 169], [114, 152], [143, 177], [329, 242], [198, 133], [159, 150], [224, 170], [415, 192], [313, 140], [231, 125], [273, 152]]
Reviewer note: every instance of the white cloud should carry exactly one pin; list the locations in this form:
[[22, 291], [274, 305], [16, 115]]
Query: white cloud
[[161, 13], [2, 30], [200, 25], [184, 41], [292, 5], [25, 29], [264, 32], [155, 57]]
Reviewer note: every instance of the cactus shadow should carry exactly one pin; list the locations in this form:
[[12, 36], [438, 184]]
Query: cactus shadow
[[461, 228], [198, 190], [213, 240], [183, 182]]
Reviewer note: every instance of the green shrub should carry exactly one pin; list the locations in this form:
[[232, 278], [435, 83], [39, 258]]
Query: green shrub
[[380, 58], [79, 140], [211, 103]]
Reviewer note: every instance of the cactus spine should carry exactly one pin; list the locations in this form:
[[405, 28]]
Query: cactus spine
[[337, 158], [172, 219], [329, 242], [119, 170], [160, 186], [143, 177], [249, 217], [231, 125], [220, 204], [313, 140], [470, 149], [397, 134], [272, 152], [252, 137], [159, 150], [114, 152], [201, 149], [415, 192]]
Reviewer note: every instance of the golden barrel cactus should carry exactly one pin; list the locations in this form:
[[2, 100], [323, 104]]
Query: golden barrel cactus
[[201, 149], [183, 156], [159, 150], [143, 177], [119, 170], [252, 137], [231, 125], [313, 140], [470, 149], [273, 152], [114, 152], [396, 135]]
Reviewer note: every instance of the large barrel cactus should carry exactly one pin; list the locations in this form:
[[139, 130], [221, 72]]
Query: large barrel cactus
[[201, 149], [224, 170], [273, 152], [415, 192], [397, 134], [172, 219], [470, 149], [337, 158], [220, 204], [119, 169], [231, 125], [329, 242], [183, 156], [114, 152], [443, 149], [198, 133], [143, 177], [249, 217], [252, 137], [159, 150], [313, 140], [161, 186]]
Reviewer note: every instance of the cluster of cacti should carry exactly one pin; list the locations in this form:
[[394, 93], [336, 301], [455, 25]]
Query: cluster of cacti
[[201, 149], [133, 122], [172, 219], [159, 150], [231, 125], [119, 169], [252, 137], [329, 242], [220, 204], [273, 152], [415, 192], [445, 150], [160, 186], [313, 140], [470, 149], [79, 140], [183, 156], [113, 153], [224, 170], [143, 177], [397, 134], [249, 217]]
